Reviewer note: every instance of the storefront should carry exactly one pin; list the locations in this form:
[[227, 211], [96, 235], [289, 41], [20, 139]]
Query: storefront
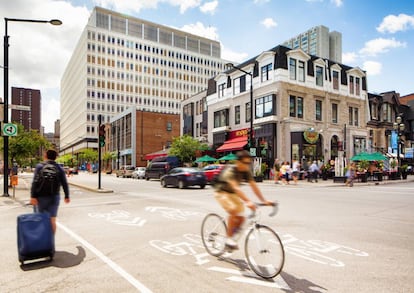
[[307, 146]]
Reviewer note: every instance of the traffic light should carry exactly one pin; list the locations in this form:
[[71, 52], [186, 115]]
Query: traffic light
[[102, 135]]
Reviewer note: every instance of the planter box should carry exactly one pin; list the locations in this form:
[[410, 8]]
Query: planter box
[[339, 179], [258, 178]]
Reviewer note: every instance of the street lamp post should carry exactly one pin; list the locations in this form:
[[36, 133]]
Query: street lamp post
[[251, 101], [6, 92], [399, 128]]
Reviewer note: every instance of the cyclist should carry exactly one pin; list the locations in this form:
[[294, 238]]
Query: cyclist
[[231, 197]]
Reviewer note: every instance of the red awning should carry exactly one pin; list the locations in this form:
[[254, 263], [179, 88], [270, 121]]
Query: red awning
[[162, 153], [233, 144]]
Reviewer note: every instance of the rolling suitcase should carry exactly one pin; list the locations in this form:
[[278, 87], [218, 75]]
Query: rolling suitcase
[[34, 236]]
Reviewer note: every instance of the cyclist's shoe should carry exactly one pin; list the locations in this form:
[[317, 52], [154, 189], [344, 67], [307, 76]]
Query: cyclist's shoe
[[231, 244]]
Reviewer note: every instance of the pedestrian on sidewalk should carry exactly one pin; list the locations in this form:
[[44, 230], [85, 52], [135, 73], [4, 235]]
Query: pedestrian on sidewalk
[[47, 179], [276, 171], [350, 175], [314, 171]]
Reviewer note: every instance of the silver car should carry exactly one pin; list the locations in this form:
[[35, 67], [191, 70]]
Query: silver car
[[139, 173]]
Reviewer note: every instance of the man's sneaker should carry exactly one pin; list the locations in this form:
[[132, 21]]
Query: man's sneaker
[[230, 243]]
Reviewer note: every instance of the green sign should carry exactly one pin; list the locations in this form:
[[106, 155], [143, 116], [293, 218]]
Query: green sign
[[9, 129]]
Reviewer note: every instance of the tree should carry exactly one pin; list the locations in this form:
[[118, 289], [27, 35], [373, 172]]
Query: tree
[[88, 155], [185, 147], [25, 148]]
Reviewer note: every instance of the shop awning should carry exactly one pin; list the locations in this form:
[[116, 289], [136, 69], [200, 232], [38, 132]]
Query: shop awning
[[150, 156], [233, 144]]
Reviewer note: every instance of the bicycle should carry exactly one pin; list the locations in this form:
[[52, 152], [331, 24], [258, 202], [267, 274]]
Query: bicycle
[[263, 248]]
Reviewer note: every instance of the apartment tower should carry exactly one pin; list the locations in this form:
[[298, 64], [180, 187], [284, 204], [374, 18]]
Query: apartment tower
[[319, 41], [121, 62], [26, 108]]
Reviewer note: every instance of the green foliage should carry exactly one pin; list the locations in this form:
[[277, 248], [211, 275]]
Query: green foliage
[[363, 165], [184, 147], [88, 155], [26, 147]]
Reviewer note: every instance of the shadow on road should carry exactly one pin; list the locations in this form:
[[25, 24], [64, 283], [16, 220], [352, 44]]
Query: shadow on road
[[62, 259], [301, 285]]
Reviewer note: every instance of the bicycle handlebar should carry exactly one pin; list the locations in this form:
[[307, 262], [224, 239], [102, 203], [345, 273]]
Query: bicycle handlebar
[[260, 204]]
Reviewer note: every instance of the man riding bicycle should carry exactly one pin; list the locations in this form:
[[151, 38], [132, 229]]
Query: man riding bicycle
[[231, 197]]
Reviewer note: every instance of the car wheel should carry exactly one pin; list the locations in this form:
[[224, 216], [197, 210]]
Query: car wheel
[[163, 183], [202, 186], [181, 184], [147, 178]]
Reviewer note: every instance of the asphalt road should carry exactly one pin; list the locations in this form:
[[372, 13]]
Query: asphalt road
[[145, 238]]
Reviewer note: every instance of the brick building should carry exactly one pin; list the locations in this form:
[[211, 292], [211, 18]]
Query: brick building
[[133, 134]]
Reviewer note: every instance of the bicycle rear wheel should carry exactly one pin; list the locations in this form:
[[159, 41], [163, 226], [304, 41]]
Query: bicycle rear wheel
[[213, 234], [264, 251]]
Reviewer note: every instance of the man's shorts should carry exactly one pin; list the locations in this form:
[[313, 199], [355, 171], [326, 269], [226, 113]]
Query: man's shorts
[[230, 202], [49, 204]]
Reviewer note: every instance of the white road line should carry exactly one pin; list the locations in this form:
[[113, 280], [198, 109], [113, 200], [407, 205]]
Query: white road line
[[134, 282]]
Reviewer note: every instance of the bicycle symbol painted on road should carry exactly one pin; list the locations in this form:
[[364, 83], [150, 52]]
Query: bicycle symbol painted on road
[[172, 213], [317, 250], [119, 217]]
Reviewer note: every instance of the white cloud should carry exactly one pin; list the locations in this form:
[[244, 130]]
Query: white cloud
[[338, 3], [393, 23], [372, 67], [380, 45], [230, 55], [261, 1], [269, 23], [349, 58], [136, 6], [209, 7], [314, 0], [199, 29], [38, 53]]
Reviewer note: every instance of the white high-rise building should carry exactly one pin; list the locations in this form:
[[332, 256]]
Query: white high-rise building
[[319, 41], [122, 62]]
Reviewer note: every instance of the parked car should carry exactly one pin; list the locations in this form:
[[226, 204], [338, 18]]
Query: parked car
[[139, 173], [161, 166], [125, 171], [212, 171], [183, 177]]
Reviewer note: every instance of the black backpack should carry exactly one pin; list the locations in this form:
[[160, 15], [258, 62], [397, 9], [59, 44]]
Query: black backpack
[[47, 181], [215, 182]]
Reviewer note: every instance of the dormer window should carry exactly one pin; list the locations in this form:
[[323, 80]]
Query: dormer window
[[319, 75], [297, 69], [266, 72], [335, 80], [221, 88]]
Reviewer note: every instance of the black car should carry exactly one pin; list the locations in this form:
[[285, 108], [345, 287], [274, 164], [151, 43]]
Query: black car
[[183, 177]]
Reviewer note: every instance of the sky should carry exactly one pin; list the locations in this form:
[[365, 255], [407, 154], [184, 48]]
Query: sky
[[377, 35]]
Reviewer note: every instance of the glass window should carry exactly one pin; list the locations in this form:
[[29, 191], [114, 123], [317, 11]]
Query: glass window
[[237, 114], [266, 72], [318, 110], [292, 68], [357, 86], [296, 107], [221, 88], [351, 85], [264, 106], [335, 80], [221, 118], [334, 113], [248, 113], [319, 75], [301, 71]]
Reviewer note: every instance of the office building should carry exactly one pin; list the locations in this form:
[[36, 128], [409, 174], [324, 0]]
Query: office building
[[318, 41], [26, 108], [123, 62]]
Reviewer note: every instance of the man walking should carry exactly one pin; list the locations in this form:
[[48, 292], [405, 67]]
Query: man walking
[[47, 180]]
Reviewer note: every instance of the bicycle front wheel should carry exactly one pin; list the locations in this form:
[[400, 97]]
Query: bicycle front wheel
[[214, 234], [264, 251]]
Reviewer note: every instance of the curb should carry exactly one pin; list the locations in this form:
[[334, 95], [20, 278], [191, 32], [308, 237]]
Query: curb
[[91, 188]]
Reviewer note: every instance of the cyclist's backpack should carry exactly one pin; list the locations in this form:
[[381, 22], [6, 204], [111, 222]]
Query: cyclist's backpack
[[47, 181]]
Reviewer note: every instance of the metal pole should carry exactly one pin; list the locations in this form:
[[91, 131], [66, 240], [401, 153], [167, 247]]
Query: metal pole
[[6, 111], [99, 152]]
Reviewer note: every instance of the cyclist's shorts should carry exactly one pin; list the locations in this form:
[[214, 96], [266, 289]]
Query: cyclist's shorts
[[230, 202]]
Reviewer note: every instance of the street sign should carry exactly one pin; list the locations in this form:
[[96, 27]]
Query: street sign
[[20, 107], [9, 129]]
